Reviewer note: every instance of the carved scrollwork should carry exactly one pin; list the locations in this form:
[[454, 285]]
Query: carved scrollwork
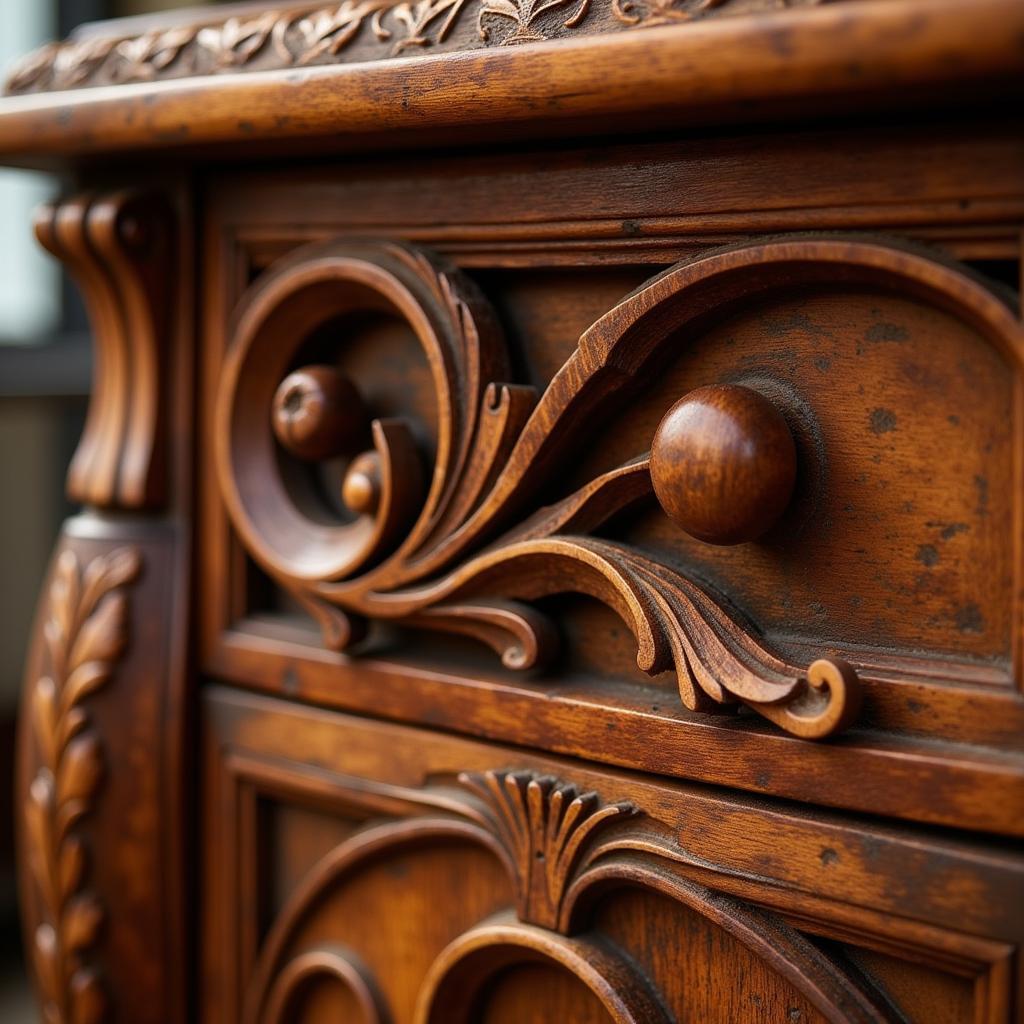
[[304, 34], [85, 634], [434, 555]]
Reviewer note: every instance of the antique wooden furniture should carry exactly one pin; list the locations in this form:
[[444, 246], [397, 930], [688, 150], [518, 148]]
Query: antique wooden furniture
[[552, 542]]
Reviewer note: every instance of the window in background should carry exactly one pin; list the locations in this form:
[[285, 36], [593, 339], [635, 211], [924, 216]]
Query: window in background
[[29, 281]]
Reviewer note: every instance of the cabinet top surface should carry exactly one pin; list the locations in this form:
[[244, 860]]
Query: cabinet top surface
[[258, 79]]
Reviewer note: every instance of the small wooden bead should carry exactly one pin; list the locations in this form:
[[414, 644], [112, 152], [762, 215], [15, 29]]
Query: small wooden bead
[[360, 490], [318, 413], [723, 464]]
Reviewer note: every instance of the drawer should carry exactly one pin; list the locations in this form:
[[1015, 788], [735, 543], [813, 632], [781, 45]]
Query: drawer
[[686, 508], [354, 867]]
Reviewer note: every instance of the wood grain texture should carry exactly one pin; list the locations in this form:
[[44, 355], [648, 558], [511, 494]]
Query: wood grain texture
[[723, 464], [440, 404], [302, 35], [103, 794], [582, 714], [121, 249], [637, 888], [719, 70], [85, 626], [496, 445]]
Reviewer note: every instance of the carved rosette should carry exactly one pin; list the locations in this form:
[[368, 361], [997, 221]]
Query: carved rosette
[[85, 633], [460, 546]]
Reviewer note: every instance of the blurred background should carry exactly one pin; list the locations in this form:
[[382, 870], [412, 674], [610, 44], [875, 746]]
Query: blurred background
[[45, 370]]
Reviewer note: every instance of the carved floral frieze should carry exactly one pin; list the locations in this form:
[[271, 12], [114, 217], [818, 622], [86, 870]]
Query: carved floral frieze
[[302, 36]]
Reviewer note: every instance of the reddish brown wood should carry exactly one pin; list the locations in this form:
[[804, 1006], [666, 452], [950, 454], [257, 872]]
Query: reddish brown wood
[[120, 248], [788, 64], [723, 464], [317, 413], [485, 734], [360, 490], [635, 883]]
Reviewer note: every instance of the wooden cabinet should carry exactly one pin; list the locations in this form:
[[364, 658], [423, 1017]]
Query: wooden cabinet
[[552, 527]]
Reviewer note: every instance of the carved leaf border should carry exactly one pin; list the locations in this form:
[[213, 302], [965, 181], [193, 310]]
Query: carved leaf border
[[305, 35], [85, 634]]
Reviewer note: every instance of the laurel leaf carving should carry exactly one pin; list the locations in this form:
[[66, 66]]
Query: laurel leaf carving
[[85, 632]]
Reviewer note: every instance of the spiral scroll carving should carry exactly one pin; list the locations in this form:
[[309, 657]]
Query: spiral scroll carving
[[456, 546]]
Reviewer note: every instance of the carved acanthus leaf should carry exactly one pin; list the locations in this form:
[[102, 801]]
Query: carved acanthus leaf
[[85, 632]]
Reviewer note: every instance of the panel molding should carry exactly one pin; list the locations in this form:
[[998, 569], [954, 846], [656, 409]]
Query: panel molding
[[634, 848]]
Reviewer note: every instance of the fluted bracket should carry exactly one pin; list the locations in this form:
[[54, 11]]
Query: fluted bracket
[[120, 249]]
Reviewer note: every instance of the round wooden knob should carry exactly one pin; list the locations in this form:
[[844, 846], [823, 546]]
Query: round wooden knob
[[318, 413], [723, 464], [360, 490]]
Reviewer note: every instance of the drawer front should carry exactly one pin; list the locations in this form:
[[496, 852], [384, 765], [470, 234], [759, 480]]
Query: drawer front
[[688, 509], [362, 871]]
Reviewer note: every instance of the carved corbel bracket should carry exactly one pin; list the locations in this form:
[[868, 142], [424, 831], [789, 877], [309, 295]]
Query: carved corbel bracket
[[457, 546], [120, 249]]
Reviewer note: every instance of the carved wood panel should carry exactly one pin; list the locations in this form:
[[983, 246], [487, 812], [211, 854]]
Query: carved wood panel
[[121, 249], [484, 894], [85, 629], [463, 548]]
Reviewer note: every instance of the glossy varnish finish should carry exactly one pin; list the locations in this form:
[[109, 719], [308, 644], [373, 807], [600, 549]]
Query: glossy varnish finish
[[606, 553]]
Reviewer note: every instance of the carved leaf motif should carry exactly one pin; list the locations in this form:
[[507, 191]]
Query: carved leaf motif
[[79, 772], [85, 632], [81, 922], [33, 69], [524, 14], [418, 17], [287, 39], [330, 31], [74, 64], [88, 999], [144, 57], [237, 41]]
